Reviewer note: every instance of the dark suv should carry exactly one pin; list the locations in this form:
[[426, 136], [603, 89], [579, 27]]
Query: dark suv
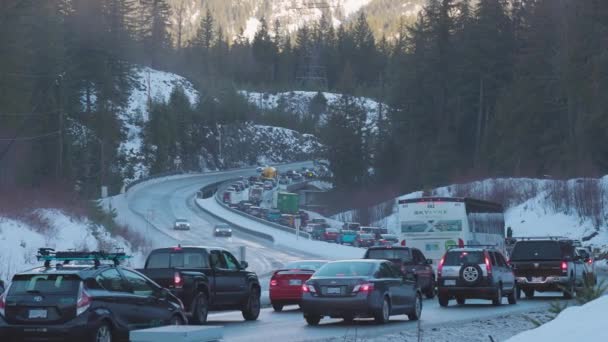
[[547, 264], [475, 272], [83, 303], [408, 261]]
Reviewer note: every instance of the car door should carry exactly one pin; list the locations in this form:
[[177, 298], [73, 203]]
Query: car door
[[237, 282], [117, 298], [150, 310], [508, 279], [423, 271], [403, 291]]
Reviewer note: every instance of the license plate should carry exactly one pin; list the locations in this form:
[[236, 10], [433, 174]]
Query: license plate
[[449, 282], [295, 282], [537, 279], [37, 314], [333, 290]]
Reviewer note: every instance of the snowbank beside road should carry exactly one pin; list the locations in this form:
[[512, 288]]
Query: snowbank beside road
[[573, 323], [322, 249], [19, 241]]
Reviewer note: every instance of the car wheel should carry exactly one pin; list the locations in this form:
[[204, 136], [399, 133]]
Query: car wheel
[[415, 315], [498, 299], [201, 309], [517, 292], [443, 300], [252, 309], [460, 300], [512, 298], [430, 292], [313, 320], [277, 307], [383, 315], [176, 320], [529, 294], [569, 291], [103, 333]]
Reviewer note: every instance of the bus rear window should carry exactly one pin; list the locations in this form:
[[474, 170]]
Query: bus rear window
[[413, 227]]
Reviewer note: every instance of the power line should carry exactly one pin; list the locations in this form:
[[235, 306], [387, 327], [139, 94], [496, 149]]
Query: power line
[[31, 137]]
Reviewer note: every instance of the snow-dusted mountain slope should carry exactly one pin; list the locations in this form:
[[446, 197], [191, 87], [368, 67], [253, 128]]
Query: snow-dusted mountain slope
[[298, 103], [19, 241], [533, 207]]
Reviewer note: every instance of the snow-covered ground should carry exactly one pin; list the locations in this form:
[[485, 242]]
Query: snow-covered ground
[[530, 206], [297, 102], [19, 242]]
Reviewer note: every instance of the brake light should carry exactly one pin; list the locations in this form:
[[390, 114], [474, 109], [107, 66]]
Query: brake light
[[84, 301], [178, 282], [564, 266], [367, 287], [460, 243], [590, 261], [308, 288], [274, 282], [403, 243], [488, 266], [3, 303], [440, 267]]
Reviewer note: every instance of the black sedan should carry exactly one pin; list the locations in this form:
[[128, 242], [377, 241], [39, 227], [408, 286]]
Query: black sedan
[[360, 289]]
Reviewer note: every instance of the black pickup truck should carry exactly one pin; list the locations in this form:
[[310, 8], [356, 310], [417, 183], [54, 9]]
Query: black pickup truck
[[205, 279]]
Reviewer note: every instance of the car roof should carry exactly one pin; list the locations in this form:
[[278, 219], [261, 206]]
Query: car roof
[[80, 270], [189, 247], [376, 261], [389, 247]]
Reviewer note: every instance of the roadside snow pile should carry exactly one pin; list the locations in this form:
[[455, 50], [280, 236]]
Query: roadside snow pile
[[19, 242], [571, 324], [318, 248], [298, 103]]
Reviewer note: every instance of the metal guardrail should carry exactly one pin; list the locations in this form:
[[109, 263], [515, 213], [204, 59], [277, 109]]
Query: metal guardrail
[[159, 175], [254, 218]]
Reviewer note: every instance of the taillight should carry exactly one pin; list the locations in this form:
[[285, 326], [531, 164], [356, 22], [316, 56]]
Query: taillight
[[564, 266], [488, 266], [3, 303], [460, 243], [403, 269], [84, 301], [274, 282], [178, 282], [308, 288], [403, 242], [367, 287], [440, 267]]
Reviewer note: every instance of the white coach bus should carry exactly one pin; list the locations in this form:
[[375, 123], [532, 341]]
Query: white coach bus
[[434, 224]]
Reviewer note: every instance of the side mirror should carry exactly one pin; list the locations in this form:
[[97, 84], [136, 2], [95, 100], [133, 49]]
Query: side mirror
[[244, 265], [429, 261]]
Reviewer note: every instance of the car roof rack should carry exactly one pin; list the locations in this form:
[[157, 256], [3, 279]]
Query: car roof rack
[[49, 254], [472, 246], [555, 238]]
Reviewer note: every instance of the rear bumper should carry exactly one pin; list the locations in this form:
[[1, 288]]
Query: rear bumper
[[554, 283], [479, 292], [361, 305], [78, 329]]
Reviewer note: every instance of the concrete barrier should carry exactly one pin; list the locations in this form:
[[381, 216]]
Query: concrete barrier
[[178, 333]]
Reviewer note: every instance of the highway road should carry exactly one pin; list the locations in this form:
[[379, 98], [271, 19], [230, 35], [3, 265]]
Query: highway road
[[174, 198]]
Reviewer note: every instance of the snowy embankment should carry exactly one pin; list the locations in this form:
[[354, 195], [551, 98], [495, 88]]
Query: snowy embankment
[[534, 207], [284, 239], [298, 103], [575, 322], [19, 241]]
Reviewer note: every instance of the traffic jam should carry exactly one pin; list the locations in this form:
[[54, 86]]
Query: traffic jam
[[447, 249]]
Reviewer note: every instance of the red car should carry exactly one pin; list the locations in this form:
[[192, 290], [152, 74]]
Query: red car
[[331, 234], [286, 283], [364, 240]]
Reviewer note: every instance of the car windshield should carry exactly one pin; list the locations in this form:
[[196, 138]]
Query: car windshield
[[305, 265], [460, 258], [346, 269], [389, 254], [44, 284], [222, 226], [539, 250]]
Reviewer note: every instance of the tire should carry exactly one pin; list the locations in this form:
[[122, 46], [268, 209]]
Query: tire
[[460, 300], [201, 309], [312, 320], [103, 333], [417, 313], [430, 292], [569, 292], [251, 311], [518, 292], [471, 274], [176, 320], [443, 300], [529, 293], [277, 307], [512, 298], [383, 315], [498, 299]]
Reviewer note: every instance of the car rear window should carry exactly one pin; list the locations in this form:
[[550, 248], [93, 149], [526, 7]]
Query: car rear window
[[177, 259], [366, 236], [389, 254], [346, 269], [305, 265], [461, 258], [539, 250], [45, 284]]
